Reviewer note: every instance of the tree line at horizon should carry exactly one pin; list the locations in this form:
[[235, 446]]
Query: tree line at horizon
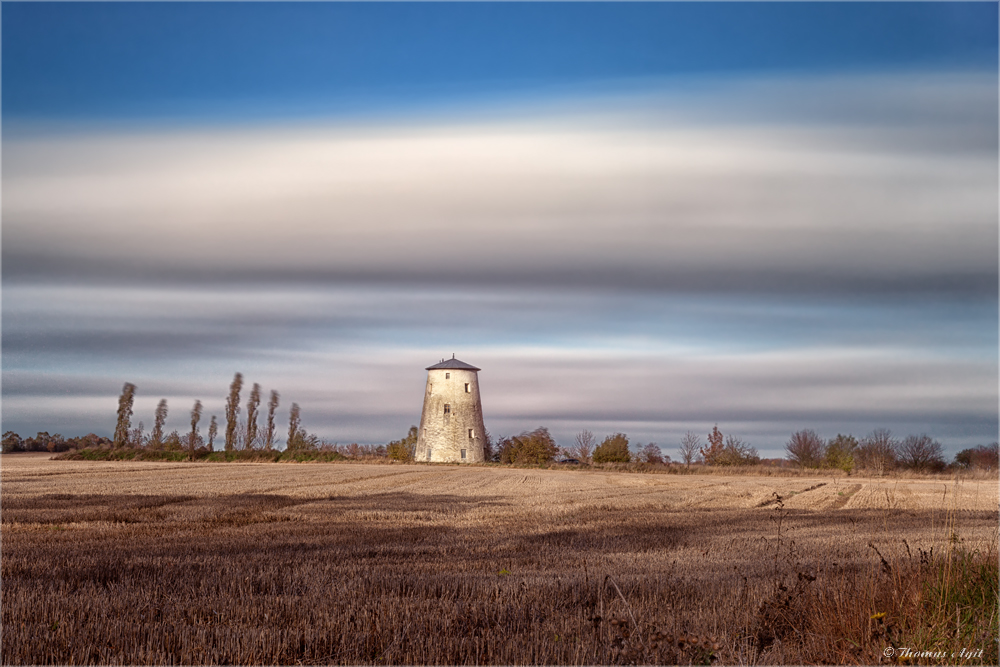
[[240, 435], [878, 452]]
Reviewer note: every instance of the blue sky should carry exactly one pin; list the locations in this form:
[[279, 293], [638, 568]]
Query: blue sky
[[648, 217], [119, 60]]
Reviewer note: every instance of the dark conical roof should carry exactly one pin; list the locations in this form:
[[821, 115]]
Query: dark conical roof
[[455, 364]]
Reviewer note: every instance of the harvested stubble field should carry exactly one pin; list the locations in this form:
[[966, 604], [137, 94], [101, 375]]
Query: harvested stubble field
[[198, 563]]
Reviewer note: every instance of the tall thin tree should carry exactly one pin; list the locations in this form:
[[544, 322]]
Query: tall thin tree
[[156, 437], [252, 404], [123, 426], [213, 430], [193, 436], [294, 428], [272, 405], [233, 410]]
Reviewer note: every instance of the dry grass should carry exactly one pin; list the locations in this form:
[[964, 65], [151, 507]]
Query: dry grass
[[141, 563]]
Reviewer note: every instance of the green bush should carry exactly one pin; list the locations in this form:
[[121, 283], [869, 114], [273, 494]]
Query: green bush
[[840, 452], [614, 449], [536, 447], [402, 450]]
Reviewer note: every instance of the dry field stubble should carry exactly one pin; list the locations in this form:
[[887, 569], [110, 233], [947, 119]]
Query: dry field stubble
[[140, 563]]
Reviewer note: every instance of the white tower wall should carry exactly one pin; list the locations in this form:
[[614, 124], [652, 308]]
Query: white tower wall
[[452, 419]]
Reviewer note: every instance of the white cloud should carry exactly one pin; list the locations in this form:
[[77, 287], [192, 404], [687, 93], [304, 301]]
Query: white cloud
[[619, 191]]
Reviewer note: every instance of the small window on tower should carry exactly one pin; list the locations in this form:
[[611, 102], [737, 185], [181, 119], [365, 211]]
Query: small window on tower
[[463, 453], [447, 409], [447, 376], [428, 454], [470, 433], [466, 387]]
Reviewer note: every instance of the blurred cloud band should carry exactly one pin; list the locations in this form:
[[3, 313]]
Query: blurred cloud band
[[353, 356], [767, 254], [623, 192]]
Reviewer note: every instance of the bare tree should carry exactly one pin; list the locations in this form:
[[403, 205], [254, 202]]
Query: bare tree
[[252, 404], [583, 447], [193, 436], [233, 410], [738, 453], [805, 449], [240, 437], [125, 402], [213, 430], [272, 405], [921, 452], [156, 437], [689, 448], [136, 435], [980, 456], [652, 453], [878, 451]]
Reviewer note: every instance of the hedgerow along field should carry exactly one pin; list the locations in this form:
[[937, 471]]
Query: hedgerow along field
[[202, 563]]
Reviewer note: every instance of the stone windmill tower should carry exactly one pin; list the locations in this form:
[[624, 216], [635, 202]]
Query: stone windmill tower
[[451, 425]]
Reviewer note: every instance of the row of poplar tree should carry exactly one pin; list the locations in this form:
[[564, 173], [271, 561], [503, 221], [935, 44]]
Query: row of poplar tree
[[239, 435]]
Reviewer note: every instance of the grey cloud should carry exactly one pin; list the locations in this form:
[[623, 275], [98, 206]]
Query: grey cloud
[[810, 384], [123, 344], [150, 325], [27, 383], [550, 358], [822, 198], [351, 395]]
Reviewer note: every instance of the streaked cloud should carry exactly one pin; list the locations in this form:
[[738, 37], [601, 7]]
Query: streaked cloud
[[651, 363], [765, 254], [632, 192]]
